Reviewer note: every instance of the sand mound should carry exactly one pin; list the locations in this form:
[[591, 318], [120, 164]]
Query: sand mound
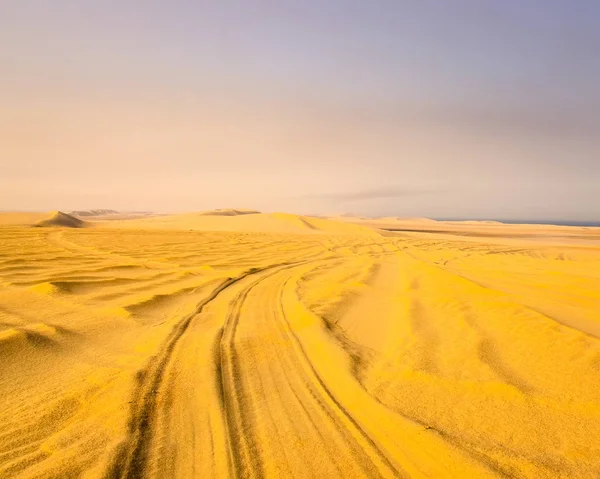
[[17, 340], [46, 288], [62, 219]]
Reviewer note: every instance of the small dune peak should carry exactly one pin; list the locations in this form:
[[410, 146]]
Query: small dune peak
[[58, 218]]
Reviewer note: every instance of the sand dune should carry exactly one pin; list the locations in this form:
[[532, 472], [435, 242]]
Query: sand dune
[[233, 221], [310, 348], [59, 218]]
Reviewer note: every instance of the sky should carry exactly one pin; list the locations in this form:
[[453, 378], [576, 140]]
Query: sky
[[455, 109]]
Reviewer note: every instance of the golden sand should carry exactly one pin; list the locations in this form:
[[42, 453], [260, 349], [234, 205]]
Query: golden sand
[[275, 345]]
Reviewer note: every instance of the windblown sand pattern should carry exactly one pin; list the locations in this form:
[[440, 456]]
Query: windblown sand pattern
[[252, 345]]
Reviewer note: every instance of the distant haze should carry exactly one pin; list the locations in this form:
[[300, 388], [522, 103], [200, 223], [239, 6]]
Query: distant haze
[[442, 109]]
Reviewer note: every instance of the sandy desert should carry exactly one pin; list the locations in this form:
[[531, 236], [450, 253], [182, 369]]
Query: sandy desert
[[241, 344]]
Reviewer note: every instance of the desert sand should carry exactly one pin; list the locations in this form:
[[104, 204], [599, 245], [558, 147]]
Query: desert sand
[[242, 344]]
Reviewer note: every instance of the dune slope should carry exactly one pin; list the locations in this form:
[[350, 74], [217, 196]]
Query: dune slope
[[314, 349]]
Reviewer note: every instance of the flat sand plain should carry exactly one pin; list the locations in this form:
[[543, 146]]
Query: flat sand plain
[[277, 346]]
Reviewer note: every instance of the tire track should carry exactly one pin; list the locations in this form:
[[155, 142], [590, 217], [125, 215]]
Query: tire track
[[325, 390], [231, 390], [239, 450], [130, 461], [289, 375]]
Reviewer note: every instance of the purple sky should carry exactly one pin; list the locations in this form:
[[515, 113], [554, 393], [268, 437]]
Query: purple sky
[[487, 109]]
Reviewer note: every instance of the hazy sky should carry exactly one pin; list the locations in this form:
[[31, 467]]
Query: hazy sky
[[458, 108]]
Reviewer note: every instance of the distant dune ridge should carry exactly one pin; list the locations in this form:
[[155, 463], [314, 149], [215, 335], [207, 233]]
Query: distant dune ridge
[[94, 212], [245, 221], [229, 212], [111, 215], [253, 221]]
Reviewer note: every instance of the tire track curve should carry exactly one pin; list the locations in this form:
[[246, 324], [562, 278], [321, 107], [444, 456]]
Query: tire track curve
[[130, 461]]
